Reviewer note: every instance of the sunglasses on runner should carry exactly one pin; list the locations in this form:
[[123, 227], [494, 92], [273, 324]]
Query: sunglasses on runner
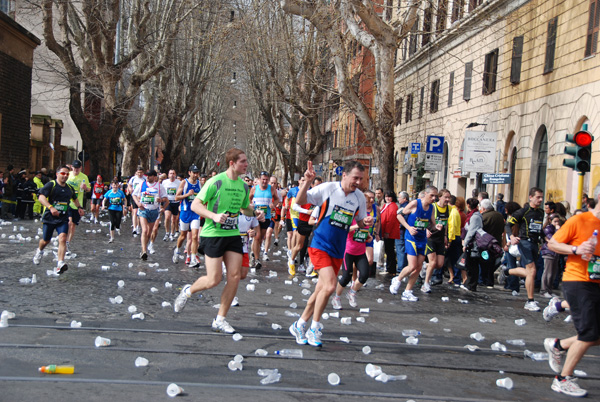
[[63, 173]]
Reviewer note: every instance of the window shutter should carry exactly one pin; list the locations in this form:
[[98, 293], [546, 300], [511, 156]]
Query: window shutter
[[451, 88], [517, 57], [468, 77], [591, 43], [550, 45]]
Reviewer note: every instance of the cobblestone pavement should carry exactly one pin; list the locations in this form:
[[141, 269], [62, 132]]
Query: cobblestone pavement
[[181, 347]]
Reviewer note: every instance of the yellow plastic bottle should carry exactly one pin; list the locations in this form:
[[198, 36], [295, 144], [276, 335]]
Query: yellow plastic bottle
[[54, 369]]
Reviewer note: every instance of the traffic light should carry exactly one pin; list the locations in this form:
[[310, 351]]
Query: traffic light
[[582, 151]]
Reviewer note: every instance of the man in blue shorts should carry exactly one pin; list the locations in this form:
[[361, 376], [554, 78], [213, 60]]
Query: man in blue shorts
[[420, 218]]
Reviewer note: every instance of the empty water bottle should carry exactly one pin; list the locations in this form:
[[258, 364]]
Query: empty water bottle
[[297, 353], [410, 332], [271, 378], [516, 342], [520, 322], [593, 240], [266, 372], [487, 320]]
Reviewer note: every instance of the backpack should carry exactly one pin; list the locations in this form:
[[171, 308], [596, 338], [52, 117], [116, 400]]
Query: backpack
[[486, 242]]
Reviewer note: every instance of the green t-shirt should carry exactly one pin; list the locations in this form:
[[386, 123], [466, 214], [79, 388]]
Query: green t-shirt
[[75, 182], [223, 195]]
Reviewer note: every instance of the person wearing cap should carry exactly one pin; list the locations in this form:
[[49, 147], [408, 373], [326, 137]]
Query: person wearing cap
[[189, 221], [80, 182], [220, 202], [134, 182], [151, 199], [264, 197]]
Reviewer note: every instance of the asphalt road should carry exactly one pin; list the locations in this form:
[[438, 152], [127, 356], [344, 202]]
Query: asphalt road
[[182, 349]]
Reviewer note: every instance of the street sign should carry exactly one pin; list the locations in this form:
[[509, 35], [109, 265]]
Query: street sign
[[339, 170], [435, 144], [457, 174], [318, 169], [415, 148], [374, 170], [433, 162], [480, 152], [496, 178]]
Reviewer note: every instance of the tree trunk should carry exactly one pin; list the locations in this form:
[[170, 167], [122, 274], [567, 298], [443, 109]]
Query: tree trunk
[[131, 158]]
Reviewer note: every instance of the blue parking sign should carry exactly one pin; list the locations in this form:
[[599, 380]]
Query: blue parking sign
[[435, 144]]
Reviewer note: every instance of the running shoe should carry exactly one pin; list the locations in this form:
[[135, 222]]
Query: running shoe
[[166, 237], [235, 302], [118, 231], [183, 297], [407, 295], [351, 296], [37, 258], [395, 286], [291, 267], [546, 295], [265, 257], [175, 256], [111, 240], [222, 326], [171, 238], [568, 386], [258, 265], [550, 311], [61, 268], [144, 256], [151, 248], [336, 303], [276, 243], [299, 332], [532, 306], [554, 355], [194, 262], [187, 260], [313, 336], [426, 288]]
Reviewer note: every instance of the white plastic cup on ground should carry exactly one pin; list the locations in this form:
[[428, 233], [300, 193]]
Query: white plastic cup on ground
[[333, 379], [75, 324], [250, 287], [380, 301], [360, 319], [364, 310], [101, 342], [238, 358], [121, 283], [141, 362], [3, 321], [132, 309], [346, 320], [366, 350], [237, 337], [138, 316], [373, 370], [173, 390], [166, 304], [505, 383]]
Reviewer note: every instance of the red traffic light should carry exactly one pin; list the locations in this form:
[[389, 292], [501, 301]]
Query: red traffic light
[[583, 139]]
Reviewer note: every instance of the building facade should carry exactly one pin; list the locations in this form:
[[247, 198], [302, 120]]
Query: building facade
[[524, 70]]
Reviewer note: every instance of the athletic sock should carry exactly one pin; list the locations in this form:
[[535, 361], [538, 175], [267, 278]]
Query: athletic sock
[[301, 322], [558, 346], [220, 319], [559, 307], [315, 325]]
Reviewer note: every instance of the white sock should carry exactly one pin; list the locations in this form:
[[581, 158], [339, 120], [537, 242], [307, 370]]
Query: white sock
[[59, 263], [315, 325], [301, 322], [220, 319], [188, 292]]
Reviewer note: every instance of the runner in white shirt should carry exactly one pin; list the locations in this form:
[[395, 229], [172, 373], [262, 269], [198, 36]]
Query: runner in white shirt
[[132, 184], [151, 199], [172, 211]]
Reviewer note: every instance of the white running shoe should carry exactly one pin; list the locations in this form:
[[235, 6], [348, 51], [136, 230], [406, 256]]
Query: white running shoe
[[568, 386], [395, 286], [550, 311], [37, 258], [175, 256], [336, 303], [171, 238], [222, 326], [554, 355], [351, 295], [194, 262], [118, 231], [299, 333], [183, 297], [407, 295], [313, 336], [426, 288], [151, 248], [111, 240], [532, 306], [61, 268], [265, 257], [235, 302], [166, 237]]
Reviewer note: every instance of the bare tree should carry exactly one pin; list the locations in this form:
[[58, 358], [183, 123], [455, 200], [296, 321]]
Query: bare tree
[[382, 39]]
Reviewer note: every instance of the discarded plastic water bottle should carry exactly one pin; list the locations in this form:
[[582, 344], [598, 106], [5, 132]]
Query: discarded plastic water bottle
[[516, 342], [593, 240], [537, 356], [275, 326], [410, 332], [487, 320], [266, 372], [520, 322], [271, 378], [297, 353], [434, 320], [477, 336], [25, 280], [411, 340], [333, 379], [344, 339], [498, 347], [383, 377], [261, 352]]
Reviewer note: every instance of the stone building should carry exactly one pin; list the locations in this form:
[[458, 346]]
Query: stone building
[[522, 69]]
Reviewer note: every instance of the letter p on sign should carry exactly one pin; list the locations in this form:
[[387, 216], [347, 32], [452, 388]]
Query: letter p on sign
[[435, 144]]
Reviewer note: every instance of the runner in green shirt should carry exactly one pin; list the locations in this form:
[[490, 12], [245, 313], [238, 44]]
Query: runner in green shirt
[[220, 202]]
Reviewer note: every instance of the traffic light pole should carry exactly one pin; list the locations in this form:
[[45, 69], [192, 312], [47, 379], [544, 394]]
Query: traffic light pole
[[580, 176]]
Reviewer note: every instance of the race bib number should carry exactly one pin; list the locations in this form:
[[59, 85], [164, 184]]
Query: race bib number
[[231, 223], [443, 222], [115, 201], [594, 268], [147, 199], [263, 208], [361, 235], [98, 190], [421, 224], [171, 191], [535, 227], [341, 218], [191, 198], [61, 207]]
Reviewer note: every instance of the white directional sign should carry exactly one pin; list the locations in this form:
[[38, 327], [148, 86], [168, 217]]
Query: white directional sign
[[480, 152]]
